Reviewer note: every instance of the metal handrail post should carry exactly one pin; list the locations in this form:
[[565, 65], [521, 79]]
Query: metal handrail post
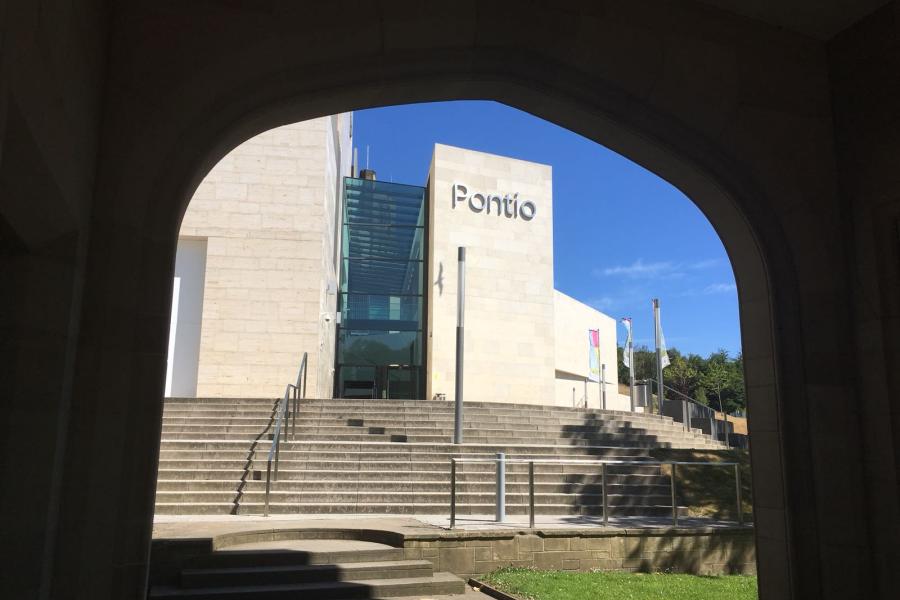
[[452, 493], [501, 488], [531, 495], [737, 489], [305, 373], [295, 405], [277, 448], [605, 502], [268, 485], [287, 415], [674, 504]]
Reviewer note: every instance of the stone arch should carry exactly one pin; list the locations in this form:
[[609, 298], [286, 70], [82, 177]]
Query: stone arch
[[172, 117], [717, 191]]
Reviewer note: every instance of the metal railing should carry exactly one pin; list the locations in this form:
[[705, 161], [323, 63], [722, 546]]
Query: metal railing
[[287, 410], [710, 413], [502, 461]]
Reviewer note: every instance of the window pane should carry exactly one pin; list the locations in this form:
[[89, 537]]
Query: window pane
[[390, 277], [357, 347], [383, 241], [382, 202], [379, 312]]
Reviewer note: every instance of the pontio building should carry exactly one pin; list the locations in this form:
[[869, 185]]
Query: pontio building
[[283, 251]]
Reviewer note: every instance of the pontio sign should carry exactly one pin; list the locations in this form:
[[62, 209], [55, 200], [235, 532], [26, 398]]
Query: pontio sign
[[507, 205]]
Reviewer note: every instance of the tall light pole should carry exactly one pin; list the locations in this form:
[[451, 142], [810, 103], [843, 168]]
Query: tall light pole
[[460, 326]]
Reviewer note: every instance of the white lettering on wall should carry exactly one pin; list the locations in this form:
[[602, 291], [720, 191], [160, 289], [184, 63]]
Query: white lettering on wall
[[507, 205]]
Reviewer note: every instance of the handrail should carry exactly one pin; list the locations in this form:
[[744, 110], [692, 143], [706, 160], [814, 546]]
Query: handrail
[[709, 409], [576, 461], [293, 393], [602, 463]]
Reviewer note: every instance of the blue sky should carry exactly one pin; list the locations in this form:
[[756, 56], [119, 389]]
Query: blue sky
[[655, 242]]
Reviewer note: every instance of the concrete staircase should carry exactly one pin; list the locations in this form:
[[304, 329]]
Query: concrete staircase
[[319, 568], [392, 457]]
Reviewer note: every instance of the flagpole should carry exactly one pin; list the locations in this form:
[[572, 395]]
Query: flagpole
[[660, 394], [631, 362], [628, 358], [599, 374]]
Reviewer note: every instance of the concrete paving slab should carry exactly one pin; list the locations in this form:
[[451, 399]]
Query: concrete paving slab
[[308, 546], [206, 526]]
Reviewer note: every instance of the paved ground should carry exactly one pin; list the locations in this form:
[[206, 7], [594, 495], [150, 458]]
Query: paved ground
[[320, 546], [199, 526], [488, 522]]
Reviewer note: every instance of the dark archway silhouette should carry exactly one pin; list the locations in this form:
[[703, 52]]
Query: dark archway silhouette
[[736, 113]]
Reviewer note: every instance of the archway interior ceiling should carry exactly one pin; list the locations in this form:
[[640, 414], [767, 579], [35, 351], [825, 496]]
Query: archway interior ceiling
[[815, 18]]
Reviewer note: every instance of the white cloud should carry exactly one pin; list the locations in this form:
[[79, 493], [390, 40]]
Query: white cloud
[[638, 269], [655, 270], [719, 288], [704, 264]]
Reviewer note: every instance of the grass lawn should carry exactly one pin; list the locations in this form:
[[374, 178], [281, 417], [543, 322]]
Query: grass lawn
[[609, 585]]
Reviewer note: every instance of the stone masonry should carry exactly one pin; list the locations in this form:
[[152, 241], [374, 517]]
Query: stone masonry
[[702, 551]]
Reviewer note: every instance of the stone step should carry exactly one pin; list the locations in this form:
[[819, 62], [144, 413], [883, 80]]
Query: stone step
[[286, 466], [319, 429], [256, 424], [449, 406], [394, 456], [473, 415], [298, 552], [199, 476], [417, 405], [435, 585], [436, 509], [278, 574], [466, 449], [383, 486], [441, 498], [469, 408], [425, 420], [573, 462], [262, 419], [241, 401], [638, 441], [252, 508], [398, 453], [544, 438]]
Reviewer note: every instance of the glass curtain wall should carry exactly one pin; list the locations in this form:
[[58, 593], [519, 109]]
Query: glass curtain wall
[[380, 350]]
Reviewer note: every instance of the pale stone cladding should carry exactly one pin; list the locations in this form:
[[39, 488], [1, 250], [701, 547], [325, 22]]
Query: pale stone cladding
[[509, 310], [268, 213], [573, 319]]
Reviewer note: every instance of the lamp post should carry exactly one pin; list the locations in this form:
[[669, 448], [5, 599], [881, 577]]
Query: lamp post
[[460, 327]]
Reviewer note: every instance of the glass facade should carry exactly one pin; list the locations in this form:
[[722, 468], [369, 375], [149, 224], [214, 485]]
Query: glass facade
[[380, 348]]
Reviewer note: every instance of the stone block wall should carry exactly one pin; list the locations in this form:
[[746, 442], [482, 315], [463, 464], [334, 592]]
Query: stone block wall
[[267, 212], [572, 320], [699, 551], [509, 278]]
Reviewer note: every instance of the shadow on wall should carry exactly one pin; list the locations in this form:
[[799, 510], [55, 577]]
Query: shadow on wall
[[709, 491], [645, 491], [439, 281], [697, 554], [631, 489]]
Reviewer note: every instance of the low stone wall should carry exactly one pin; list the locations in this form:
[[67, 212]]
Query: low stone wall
[[705, 551]]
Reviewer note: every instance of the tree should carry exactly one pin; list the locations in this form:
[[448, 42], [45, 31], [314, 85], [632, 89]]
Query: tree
[[680, 375], [716, 379], [717, 375]]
